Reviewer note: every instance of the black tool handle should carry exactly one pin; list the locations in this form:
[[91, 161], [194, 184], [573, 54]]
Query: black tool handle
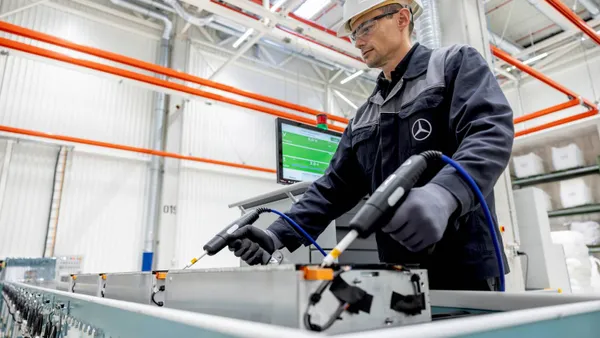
[[221, 240], [379, 208]]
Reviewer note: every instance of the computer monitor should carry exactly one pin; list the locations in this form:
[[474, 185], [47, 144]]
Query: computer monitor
[[303, 151]]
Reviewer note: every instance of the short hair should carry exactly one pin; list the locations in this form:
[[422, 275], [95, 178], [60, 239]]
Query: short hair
[[391, 8]]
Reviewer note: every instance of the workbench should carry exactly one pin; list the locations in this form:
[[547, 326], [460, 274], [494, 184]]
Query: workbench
[[453, 313]]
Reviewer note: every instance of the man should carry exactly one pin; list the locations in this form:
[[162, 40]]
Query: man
[[446, 100]]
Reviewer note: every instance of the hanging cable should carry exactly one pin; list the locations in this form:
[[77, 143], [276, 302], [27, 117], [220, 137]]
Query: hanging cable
[[488, 215], [161, 289], [299, 228]]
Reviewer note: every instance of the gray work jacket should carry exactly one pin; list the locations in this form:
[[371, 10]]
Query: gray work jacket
[[447, 100]]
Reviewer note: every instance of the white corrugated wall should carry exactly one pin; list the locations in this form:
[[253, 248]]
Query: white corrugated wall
[[66, 100], [204, 196], [103, 204], [26, 204], [223, 132], [2, 151], [102, 212], [102, 207]]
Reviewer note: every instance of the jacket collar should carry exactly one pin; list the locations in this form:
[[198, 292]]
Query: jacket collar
[[417, 65]]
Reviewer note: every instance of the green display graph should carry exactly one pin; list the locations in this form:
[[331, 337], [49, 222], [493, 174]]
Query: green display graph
[[306, 153]]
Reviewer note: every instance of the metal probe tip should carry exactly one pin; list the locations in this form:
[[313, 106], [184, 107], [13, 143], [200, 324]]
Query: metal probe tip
[[195, 260]]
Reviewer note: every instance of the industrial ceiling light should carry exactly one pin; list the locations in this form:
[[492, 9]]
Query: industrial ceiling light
[[533, 59], [243, 38], [311, 7], [352, 77], [347, 100]]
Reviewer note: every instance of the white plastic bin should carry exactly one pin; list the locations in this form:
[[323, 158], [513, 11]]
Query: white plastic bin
[[567, 157], [589, 230], [574, 193], [528, 165]]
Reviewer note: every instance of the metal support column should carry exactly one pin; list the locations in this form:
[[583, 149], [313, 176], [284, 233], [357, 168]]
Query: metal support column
[[167, 233], [472, 30], [158, 136], [156, 165]]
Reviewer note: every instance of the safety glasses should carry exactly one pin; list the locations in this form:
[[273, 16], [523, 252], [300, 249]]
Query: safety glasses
[[365, 29]]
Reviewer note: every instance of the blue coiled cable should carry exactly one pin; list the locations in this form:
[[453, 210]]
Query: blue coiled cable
[[299, 228], [486, 211]]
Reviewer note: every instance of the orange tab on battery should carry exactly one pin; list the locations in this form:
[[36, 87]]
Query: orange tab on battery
[[317, 273]]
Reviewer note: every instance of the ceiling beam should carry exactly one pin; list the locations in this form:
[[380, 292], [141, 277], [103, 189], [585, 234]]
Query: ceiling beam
[[557, 39]]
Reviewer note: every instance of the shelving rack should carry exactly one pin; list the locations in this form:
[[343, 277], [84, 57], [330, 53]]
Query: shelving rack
[[589, 126], [556, 176], [559, 176]]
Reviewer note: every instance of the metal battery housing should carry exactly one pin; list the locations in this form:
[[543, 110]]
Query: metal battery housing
[[279, 295]]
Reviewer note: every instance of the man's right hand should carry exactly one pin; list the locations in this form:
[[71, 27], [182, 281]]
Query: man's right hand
[[251, 244]]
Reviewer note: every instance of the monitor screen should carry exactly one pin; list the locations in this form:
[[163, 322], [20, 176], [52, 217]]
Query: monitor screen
[[303, 151]]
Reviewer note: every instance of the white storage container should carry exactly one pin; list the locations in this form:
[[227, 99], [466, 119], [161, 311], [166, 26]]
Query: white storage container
[[589, 230], [567, 157], [574, 193], [528, 165]]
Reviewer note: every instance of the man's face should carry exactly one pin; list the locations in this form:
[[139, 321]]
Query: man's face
[[381, 37]]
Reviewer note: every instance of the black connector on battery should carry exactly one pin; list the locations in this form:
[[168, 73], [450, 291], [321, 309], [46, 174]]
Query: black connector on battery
[[410, 304]]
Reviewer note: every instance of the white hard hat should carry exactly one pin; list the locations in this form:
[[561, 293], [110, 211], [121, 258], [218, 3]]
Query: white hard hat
[[355, 8]]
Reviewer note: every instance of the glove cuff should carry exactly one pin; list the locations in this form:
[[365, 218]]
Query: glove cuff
[[445, 195], [276, 241]]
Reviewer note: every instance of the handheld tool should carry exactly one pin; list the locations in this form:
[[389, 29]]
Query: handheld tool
[[223, 238], [380, 207]]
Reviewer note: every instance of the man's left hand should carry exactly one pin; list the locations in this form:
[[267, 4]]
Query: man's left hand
[[422, 219]]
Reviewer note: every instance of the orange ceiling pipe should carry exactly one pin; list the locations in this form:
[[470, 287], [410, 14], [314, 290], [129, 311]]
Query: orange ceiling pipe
[[154, 81], [550, 110], [575, 19], [559, 122], [499, 53], [574, 98], [129, 148], [22, 31]]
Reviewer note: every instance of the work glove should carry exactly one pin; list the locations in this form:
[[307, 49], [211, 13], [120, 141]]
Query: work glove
[[253, 245], [423, 217]]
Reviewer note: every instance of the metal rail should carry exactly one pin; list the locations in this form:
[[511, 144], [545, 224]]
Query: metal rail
[[557, 176], [127, 319], [522, 314]]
